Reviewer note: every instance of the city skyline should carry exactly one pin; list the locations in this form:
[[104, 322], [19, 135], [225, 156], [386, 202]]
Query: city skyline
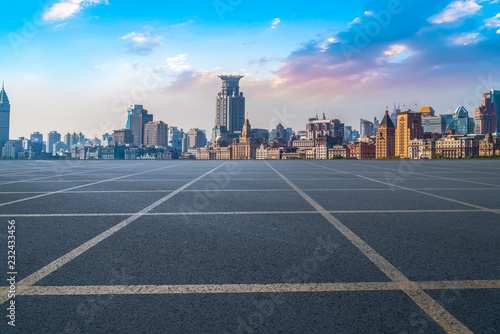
[[295, 60]]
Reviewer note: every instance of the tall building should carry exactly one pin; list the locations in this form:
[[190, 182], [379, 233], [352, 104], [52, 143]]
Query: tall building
[[52, 138], [409, 128], [348, 133], [156, 134], [461, 123], [175, 138], [386, 138], [279, 132], [486, 117], [445, 121], [138, 117], [195, 138], [365, 127], [230, 104], [4, 117], [394, 114], [317, 127], [495, 100], [430, 122], [261, 134], [246, 146]]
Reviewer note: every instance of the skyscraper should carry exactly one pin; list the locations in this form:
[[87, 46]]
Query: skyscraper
[[460, 123], [156, 134], [36, 136], [52, 138], [386, 138], [175, 138], [409, 128], [4, 117], [230, 104], [365, 127], [486, 117], [317, 127], [195, 138], [138, 117], [394, 114]]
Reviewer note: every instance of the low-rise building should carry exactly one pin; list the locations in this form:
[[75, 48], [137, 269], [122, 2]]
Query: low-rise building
[[362, 151], [338, 151], [489, 146], [421, 148], [457, 146]]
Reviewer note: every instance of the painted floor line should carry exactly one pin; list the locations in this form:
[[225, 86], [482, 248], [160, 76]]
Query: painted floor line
[[440, 315], [56, 264]]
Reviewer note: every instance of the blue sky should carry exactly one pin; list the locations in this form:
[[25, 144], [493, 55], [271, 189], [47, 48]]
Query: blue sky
[[75, 65]]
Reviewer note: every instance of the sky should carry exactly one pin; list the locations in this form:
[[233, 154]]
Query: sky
[[76, 65]]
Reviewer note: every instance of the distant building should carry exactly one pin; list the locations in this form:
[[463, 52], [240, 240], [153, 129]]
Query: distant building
[[365, 128], [362, 151], [52, 138], [348, 133], [58, 147], [456, 146], [486, 117], [317, 127], [4, 117], [386, 138], [279, 132], [489, 146], [394, 114], [35, 150], [138, 117], [196, 138], [123, 137], [461, 123], [36, 136], [175, 138], [339, 151], [263, 134], [430, 122], [156, 134], [230, 104], [409, 128], [421, 148], [246, 146], [11, 149]]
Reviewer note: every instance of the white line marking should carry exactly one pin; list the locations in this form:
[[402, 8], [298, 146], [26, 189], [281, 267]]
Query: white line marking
[[422, 299], [56, 264]]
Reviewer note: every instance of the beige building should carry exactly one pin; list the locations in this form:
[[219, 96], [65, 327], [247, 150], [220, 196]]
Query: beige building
[[386, 138], [409, 128], [421, 148], [338, 151], [489, 146], [246, 146], [457, 146], [156, 134]]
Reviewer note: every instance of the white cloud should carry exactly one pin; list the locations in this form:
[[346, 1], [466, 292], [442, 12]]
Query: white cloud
[[67, 8], [142, 43], [275, 23], [178, 63], [466, 38], [355, 21], [396, 53], [493, 22], [455, 11]]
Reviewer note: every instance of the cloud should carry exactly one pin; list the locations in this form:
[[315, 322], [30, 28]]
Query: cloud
[[455, 11], [65, 9], [275, 23], [178, 63], [466, 38], [142, 43], [493, 22], [396, 53]]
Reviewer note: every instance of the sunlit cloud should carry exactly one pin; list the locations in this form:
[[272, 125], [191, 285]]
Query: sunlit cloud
[[396, 53], [455, 11], [142, 43], [275, 23], [466, 38], [65, 9]]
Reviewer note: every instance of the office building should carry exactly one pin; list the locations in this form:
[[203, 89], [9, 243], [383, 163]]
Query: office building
[[230, 104], [386, 138], [36, 136], [263, 134], [461, 123], [196, 138], [52, 138], [317, 127], [4, 117], [409, 128], [175, 138], [279, 132], [123, 137], [12, 148], [394, 114], [485, 116], [365, 128], [156, 134], [138, 117], [430, 122]]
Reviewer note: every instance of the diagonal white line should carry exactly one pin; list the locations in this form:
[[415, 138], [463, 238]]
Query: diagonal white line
[[56, 264], [422, 299]]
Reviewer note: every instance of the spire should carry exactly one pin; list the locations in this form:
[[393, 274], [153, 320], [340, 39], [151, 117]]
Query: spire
[[3, 95]]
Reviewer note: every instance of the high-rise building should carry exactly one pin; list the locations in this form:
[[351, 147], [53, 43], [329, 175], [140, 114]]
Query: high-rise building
[[386, 138], [461, 123], [230, 104], [394, 114], [365, 127], [138, 117], [323, 127], [348, 133], [279, 132], [12, 148], [123, 136], [486, 117], [195, 138], [4, 117], [263, 134], [36, 136], [430, 122], [495, 100], [156, 134], [52, 138], [445, 121], [175, 138], [409, 128]]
